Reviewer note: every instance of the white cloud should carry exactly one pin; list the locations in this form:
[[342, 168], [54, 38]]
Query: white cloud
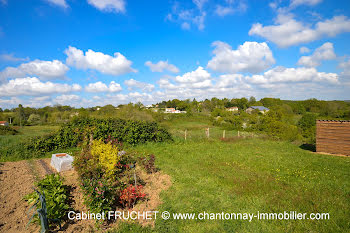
[[229, 8], [116, 6], [47, 70], [186, 26], [33, 87], [250, 57], [101, 87], [286, 75], [60, 3], [345, 74], [132, 83], [12, 58], [295, 3], [224, 10], [67, 99], [188, 17], [304, 49], [194, 76], [106, 64], [161, 66], [324, 52], [200, 3], [287, 31]]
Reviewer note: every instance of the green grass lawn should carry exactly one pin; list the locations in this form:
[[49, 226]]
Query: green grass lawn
[[10, 144], [251, 175]]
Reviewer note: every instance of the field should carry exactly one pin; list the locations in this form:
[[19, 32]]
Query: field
[[240, 175]]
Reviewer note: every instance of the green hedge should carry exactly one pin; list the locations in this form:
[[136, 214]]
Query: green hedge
[[6, 130], [79, 130]]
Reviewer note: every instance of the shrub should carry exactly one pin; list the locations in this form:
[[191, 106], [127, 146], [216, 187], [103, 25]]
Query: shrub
[[6, 130], [107, 155], [100, 194], [148, 163], [56, 195], [307, 125], [130, 195]]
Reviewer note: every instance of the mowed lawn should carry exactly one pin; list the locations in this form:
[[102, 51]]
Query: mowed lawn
[[251, 175]]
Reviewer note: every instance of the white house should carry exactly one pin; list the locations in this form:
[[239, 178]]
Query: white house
[[232, 109], [173, 110], [170, 110]]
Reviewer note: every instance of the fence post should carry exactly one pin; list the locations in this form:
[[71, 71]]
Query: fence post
[[223, 134], [185, 134]]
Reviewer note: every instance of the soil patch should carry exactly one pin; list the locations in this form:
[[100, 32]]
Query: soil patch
[[17, 180]]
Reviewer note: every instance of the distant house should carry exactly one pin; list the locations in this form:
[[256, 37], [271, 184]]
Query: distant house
[[4, 123], [261, 109], [170, 110], [232, 109], [173, 110]]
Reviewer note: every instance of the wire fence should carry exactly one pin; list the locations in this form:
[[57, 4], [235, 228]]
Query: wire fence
[[210, 133]]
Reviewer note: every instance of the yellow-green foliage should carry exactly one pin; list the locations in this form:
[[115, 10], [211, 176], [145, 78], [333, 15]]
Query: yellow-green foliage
[[107, 155]]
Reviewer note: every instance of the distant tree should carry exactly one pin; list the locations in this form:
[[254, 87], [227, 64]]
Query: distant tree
[[252, 101], [34, 119]]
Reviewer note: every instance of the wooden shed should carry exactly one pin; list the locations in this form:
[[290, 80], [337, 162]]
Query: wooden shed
[[333, 137]]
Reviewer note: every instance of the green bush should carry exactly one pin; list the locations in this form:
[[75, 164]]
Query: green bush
[[6, 130], [79, 130], [56, 195], [307, 125]]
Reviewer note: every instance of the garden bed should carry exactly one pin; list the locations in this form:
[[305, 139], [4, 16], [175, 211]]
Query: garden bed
[[17, 180]]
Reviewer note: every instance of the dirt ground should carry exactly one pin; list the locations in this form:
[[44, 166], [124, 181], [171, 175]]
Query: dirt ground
[[17, 179]]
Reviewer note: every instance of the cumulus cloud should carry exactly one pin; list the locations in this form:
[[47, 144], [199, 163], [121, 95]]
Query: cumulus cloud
[[117, 6], [60, 3], [101, 87], [106, 64], [47, 70], [287, 31], [250, 57], [132, 83], [324, 52], [33, 87], [161, 66], [293, 75], [199, 78]]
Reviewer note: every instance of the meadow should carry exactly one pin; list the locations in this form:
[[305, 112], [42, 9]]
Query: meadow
[[11, 145], [238, 175]]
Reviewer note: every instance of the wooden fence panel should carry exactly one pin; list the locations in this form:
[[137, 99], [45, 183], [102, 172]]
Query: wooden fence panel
[[333, 137]]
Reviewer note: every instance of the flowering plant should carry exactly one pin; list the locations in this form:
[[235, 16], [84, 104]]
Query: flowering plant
[[131, 194]]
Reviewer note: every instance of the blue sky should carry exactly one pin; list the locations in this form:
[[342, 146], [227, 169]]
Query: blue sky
[[97, 52]]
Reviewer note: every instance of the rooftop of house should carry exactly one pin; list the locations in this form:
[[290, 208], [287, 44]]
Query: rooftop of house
[[3, 122], [261, 108]]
